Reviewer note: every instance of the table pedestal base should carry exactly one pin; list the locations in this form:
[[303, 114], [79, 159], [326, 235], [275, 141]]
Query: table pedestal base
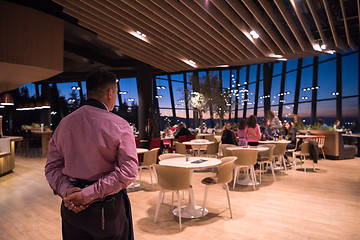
[[188, 212], [246, 182], [134, 185]]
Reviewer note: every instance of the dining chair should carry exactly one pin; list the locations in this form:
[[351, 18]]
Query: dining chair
[[180, 148], [212, 149], [224, 151], [170, 155], [173, 179], [320, 140], [182, 138], [191, 137], [246, 158], [293, 150], [224, 176], [303, 153], [265, 159], [149, 161], [279, 152], [155, 143]]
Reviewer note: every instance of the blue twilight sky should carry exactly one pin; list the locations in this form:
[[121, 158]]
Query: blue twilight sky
[[326, 83]]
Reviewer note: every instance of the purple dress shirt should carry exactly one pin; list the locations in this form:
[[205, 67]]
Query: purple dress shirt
[[95, 145]]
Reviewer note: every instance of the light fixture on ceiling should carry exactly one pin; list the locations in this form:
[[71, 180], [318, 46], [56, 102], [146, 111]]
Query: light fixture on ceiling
[[7, 100], [190, 62], [139, 35], [282, 59], [254, 34]]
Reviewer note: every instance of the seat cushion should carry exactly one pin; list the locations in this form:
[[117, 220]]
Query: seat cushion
[[209, 180]]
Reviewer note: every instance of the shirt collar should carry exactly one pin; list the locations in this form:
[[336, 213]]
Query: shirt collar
[[96, 103]]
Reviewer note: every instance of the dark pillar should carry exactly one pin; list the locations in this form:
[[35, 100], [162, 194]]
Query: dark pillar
[[118, 93], [230, 80], [314, 91], [339, 87], [258, 71], [208, 80], [297, 86], [82, 100], [186, 98], [282, 90], [246, 95], [37, 91], [267, 74], [359, 87], [173, 119], [156, 101], [46, 97], [196, 88], [236, 91], [144, 82]]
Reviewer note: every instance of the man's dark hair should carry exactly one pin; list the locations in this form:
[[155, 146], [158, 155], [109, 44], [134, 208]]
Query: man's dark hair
[[99, 81]]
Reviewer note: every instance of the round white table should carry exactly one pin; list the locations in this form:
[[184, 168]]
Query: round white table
[[188, 210], [247, 181], [196, 144], [141, 150]]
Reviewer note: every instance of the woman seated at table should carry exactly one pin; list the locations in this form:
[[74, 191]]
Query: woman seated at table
[[228, 135], [290, 134], [265, 130], [252, 131], [241, 133]]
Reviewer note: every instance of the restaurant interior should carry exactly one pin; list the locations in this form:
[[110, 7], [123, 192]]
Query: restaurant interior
[[193, 76]]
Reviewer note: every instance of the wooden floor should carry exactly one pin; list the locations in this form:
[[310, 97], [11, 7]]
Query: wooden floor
[[299, 205]]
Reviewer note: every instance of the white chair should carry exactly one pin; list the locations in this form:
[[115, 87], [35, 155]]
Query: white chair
[[303, 153], [148, 162], [279, 152], [292, 151], [265, 159], [173, 179], [246, 158], [224, 176]]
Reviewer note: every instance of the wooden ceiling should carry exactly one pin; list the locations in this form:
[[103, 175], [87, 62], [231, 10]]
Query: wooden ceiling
[[195, 34]]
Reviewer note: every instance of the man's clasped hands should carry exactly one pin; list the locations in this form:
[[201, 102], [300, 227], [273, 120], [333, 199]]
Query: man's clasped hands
[[74, 200]]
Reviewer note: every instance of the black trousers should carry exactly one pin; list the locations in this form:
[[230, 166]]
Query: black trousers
[[108, 219]]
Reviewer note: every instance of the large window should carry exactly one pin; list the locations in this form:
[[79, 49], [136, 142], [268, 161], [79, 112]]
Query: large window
[[350, 73], [327, 79], [306, 84]]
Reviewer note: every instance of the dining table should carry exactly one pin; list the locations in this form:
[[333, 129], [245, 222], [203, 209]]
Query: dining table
[[191, 163], [247, 181], [196, 144]]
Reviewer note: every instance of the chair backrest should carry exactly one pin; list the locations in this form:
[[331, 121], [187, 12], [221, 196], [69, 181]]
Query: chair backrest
[[211, 138], [245, 157], [305, 148], [173, 178], [137, 142], [150, 157], [224, 151], [170, 155], [212, 148], [191, 137], [180, 148], [280, 149], [155, 143], [320, 141], [268, 153], [225, 169], [182, 138]]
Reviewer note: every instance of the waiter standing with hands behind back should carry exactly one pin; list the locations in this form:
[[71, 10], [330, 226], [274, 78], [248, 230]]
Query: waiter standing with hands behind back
[[92, 159]]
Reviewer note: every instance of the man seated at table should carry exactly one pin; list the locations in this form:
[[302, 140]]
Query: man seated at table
[[182, 130], [228, 135]]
